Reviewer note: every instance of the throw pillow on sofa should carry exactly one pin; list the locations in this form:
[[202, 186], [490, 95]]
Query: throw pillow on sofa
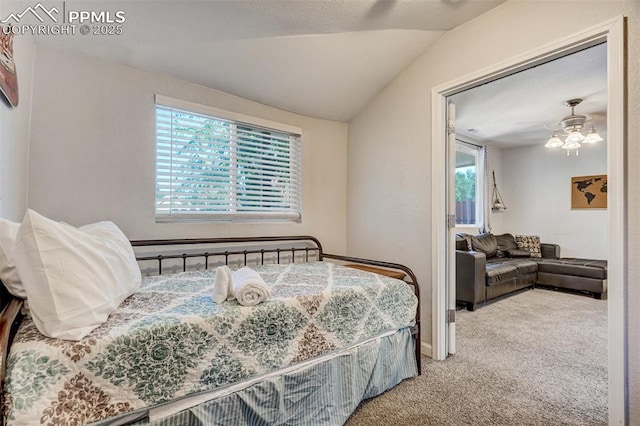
[[485, 243], [531, 243]]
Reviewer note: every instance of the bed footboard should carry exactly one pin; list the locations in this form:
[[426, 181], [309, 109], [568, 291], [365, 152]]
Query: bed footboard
[[413, 281]]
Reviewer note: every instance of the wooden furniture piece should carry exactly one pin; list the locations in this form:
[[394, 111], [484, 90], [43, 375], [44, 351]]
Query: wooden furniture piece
[[399, 275]]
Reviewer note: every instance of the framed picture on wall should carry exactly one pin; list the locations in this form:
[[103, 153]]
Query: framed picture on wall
[[589, 192], [8, 73]]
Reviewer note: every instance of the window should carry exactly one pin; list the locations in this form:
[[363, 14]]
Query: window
[[217, 165], [469, 184]]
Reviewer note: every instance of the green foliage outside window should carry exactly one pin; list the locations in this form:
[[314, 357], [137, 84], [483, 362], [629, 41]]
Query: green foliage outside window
[[466, 185], [206, 164]]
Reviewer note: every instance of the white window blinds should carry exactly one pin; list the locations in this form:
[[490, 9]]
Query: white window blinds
[[210, 167]]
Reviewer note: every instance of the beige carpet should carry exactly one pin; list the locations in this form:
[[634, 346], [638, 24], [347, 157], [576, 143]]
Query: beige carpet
[[536, 358]]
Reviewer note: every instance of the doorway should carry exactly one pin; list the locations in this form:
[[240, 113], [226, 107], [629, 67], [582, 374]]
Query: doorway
[[612, 33]]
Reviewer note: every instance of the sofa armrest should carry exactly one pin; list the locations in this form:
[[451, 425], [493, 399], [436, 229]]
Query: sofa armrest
[[550, 251], [471, 277]]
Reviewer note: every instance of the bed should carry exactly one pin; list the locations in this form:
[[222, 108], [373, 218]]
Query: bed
[[329, 337]]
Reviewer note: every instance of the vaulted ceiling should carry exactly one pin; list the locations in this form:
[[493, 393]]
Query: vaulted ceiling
[[320, 58]]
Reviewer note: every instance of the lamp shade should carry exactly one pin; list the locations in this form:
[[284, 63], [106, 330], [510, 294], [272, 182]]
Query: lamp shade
[[574, 137], [554, 141], [571, 144], [592, 136]]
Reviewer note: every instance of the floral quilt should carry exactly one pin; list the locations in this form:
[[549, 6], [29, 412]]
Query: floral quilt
[[171, 340]]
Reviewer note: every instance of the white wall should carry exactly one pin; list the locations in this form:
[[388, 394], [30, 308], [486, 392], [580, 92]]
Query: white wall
[[93, 151], [537, 188], [389, 169], [495, 164], [14, 136]]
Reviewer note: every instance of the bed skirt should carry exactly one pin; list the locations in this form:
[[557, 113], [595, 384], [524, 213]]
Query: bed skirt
[[324, 392]]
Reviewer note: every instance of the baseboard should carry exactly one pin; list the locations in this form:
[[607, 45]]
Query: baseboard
[[426, 349]]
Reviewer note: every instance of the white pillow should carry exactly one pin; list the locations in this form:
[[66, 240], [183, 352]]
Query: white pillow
[[8, 273], [73, 277]]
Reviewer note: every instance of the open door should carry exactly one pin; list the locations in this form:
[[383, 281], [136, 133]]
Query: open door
[[613, 32], [451, 224]]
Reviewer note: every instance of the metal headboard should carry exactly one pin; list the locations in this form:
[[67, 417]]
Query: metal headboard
[[315, 249]]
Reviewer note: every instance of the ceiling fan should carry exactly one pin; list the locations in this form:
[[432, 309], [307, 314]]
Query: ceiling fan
[[572, 126]]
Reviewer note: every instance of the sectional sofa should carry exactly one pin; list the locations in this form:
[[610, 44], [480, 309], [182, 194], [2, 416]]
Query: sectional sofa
[[489, 266]]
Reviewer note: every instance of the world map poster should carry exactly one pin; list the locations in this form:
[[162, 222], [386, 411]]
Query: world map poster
[[589, 192]]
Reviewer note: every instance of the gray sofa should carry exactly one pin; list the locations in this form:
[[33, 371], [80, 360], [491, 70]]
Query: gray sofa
[[489, 266]]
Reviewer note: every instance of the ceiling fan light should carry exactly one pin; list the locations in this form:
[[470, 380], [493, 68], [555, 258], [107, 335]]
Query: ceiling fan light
[[592, 136], [574, 137], [571, 144], [572, 131], [554, 141]]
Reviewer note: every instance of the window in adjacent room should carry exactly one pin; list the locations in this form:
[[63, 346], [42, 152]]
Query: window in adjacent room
[[217, 165], [469, 185]]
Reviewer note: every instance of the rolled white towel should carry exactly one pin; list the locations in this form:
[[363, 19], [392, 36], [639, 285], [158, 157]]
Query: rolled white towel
[[248, 287], [222, 284]]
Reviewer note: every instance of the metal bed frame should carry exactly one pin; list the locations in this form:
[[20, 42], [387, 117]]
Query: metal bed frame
[[10, 316], [315, 249]]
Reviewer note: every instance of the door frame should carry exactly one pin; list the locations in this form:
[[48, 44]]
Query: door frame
[[613, 32]]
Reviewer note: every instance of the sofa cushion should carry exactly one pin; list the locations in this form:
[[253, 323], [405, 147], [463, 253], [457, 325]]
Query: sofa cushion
[[529, 242], [550, 251], [505, 242], [588, 268], [463, 242], [485, 243], [524, 266], [517, 253], [498, 272]]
